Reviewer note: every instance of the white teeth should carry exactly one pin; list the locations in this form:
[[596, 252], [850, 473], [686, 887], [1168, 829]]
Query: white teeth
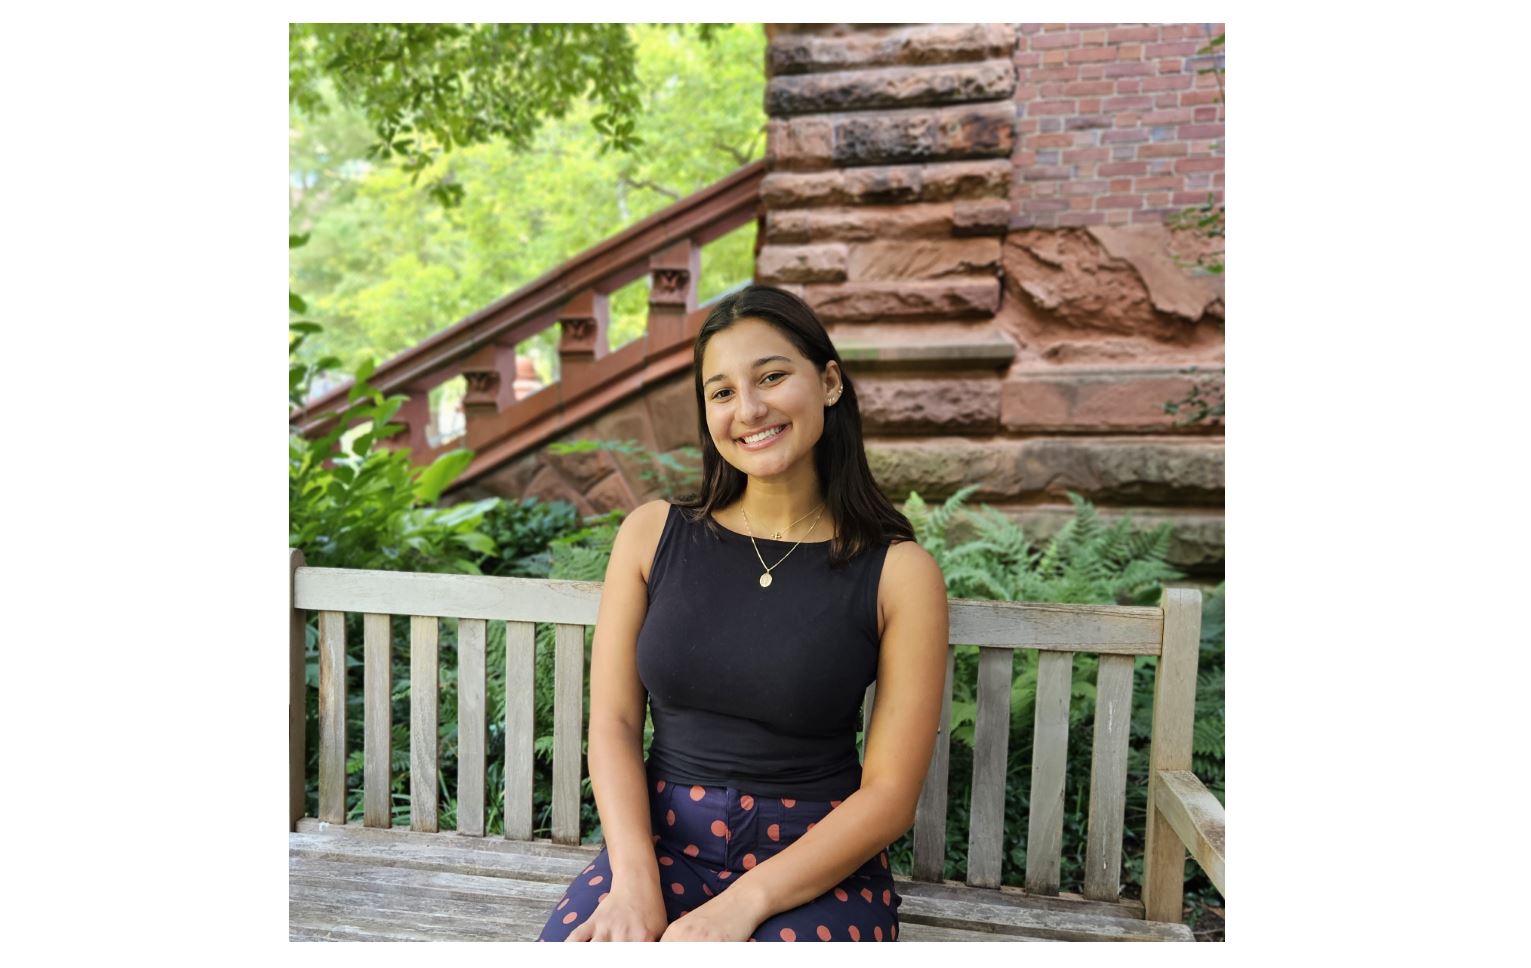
[[762, 435]]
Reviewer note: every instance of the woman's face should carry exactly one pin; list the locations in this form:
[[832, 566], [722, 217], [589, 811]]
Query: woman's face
[[742, 398]]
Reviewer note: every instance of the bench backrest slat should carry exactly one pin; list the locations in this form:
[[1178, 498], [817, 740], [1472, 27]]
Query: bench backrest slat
[[1108, 778], [377, 724], [424, 737], [520, 730], [930, 809], [1174, 720], [472, 724], [568, 728], [991, 753], [1049, 761], [332, 716]]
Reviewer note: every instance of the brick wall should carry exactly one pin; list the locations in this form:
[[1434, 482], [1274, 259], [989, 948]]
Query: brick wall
[[1115, 125]]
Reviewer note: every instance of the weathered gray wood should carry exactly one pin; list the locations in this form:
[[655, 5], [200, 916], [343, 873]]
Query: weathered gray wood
[[1107, 629], [1197, 818], [1108, 777], [424, 738], [449, 596], [1057, 925], [568, 729], [520, 735], [1049, 761], [930, 809], [377, 726], [991, 750], [332, 717], [1174, 718], [472, 724], [297, 696]]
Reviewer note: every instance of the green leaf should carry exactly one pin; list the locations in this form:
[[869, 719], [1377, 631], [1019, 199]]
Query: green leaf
[[297, 241], [443, 471], [295, 302]]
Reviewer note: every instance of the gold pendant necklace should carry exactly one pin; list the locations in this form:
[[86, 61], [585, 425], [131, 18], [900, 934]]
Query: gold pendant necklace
[[765, 577]]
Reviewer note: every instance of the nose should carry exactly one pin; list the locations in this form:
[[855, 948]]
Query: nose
[[752, 407]]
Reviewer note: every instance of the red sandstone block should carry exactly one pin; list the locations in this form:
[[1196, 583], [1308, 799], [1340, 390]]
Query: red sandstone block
[[1089, 88], [1172, 82], [1055, 41], [1135, 34], [1118, 201], [1124, 168], [1157, 181], [1198, 164], [1190, 132], [1082, 218], [1085, 55], [1068, 106]]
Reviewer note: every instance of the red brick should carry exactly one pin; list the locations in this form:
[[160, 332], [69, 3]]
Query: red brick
[[1127, 103], [1046, 172], [1123, 136], [1053, 107], [1055, 41], [1027, 60], [1160, 181], [1186, 32], [1188, 198], [1078, 187], [1198, 164], [1124, 168], [1121, 185], [1040, 189], [1199, 180], [1025, 126], [1081, 218], [1089, 105], [1094, 36], [1118, 201], [1128, 69], [1052, 141], [1176, 49], [1207, 82], [1086, 154], [1217, 180], [1134, 34], [1025, 92], [1172, 82], [1023, 159], [1120, 216], [1157, 199], [1164, 149], [1054, 57], [1085, 55], [1190, 132], [1053, 74], [1171, 66], [1089, 88], [1129, 53], [1130, 85], [1143, 215], [1176, 116], [1169, 99], [1046, 205], [1080, 204], [1207, 112], [1190, 98], [1030, 29], [1127, 119], [1091, 72], [1052, 28], [1051, 90]]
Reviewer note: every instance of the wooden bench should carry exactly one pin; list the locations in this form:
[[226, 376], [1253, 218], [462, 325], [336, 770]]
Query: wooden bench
[[374, 881]]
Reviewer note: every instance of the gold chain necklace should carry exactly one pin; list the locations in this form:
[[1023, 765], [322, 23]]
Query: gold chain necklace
[[765, 578]]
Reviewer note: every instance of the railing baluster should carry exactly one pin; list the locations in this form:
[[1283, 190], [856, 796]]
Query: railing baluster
[[520, 723], [472, 720], [377, 726], [991, 747], [1108, 778], [423, 709], [1049, 758], [332, 717]]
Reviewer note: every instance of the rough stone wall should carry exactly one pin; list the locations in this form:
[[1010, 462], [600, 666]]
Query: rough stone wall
[[977, 213]]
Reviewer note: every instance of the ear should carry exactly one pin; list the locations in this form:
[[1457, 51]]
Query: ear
[[831, 377]]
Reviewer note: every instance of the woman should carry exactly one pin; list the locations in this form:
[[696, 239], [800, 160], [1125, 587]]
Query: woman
[[751, 619]]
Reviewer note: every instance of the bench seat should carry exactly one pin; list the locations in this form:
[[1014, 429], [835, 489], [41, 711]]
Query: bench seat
[[357, 883]]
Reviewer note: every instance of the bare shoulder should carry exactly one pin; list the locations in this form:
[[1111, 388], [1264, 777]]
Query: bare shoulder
[[911, 578], [644, 525]]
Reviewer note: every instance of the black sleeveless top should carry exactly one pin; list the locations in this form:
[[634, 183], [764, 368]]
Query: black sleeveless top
[[757, 688]]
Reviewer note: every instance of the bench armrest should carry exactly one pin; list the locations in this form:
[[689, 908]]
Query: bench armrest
[[1196, 817]]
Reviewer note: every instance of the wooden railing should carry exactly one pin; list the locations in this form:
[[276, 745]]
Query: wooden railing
[[1181, 812], [502, 423]]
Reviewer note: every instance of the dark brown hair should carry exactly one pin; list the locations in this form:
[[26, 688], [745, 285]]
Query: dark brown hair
[[866, 518]]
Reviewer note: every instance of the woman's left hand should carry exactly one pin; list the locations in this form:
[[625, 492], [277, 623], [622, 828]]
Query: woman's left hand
[[723, 918]]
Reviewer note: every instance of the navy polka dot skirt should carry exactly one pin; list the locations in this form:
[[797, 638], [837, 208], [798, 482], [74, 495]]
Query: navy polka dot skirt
[[705, 837]]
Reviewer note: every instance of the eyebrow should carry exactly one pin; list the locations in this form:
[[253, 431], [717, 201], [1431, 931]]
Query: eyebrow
[[764, 359]]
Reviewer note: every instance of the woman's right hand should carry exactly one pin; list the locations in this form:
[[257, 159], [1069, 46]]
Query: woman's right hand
[[635, 914]]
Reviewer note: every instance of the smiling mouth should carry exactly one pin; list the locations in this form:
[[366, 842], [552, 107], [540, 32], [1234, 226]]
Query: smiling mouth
[[779, 428]]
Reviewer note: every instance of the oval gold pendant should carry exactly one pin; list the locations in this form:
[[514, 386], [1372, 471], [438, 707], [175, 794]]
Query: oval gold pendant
[[765, 580]]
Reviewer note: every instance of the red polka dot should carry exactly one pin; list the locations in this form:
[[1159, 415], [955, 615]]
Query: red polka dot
[[669, 817], [567, 918], [867, 893], [588, 869], [887, 896], [562, 904], [725, 875], [595, 880], [678, 888], [835, 803], [659, 786], [884, 859], [788, 803], [877, 931], [666, 861], [697, 792], [823, 933], [841, 895], [747, 802], [774, 831], [894, 929], [749, 861], [787, 934], [706, 890], [719, 828], [692, 850], [855, 933]]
